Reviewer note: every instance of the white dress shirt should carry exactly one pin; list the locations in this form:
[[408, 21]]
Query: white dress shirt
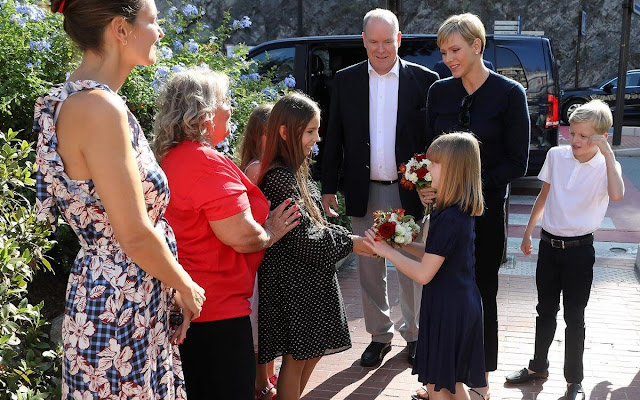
[[383, 115], [578, 197]]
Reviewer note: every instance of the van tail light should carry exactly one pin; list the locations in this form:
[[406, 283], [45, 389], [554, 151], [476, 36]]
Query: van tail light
[[553, 112]]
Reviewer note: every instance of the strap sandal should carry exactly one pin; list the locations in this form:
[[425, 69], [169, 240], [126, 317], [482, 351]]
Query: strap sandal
[[260, 394], [274, 379], [478, 393], [420, 394]]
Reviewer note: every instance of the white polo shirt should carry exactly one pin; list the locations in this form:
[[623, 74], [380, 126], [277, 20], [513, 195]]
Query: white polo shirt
[[383, 115], [578, 197]]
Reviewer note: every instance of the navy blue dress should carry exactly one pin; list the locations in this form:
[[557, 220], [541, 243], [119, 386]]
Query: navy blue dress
[[450, 341]]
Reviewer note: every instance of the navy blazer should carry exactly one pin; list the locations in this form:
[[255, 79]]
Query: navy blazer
[[347, 143]]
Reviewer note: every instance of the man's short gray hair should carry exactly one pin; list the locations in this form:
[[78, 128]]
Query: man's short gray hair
[[385, 15]]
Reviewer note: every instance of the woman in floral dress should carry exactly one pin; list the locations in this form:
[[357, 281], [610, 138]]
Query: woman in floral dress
[[95, 168]]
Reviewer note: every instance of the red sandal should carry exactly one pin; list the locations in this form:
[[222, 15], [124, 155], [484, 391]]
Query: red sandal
[[274, 379], [260, 394]]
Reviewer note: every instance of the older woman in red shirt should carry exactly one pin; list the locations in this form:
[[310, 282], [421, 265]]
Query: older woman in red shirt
[[217, 215]]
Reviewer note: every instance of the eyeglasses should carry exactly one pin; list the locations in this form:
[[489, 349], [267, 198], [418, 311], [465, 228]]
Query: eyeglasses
[[464, 117]]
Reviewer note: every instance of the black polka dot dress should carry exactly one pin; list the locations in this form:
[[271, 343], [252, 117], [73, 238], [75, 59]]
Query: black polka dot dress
[[300, 311]]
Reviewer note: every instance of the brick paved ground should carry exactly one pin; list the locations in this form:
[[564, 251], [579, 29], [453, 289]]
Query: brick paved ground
[[612, 354]]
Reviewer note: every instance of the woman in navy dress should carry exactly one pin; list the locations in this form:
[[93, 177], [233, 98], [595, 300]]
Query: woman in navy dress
[[450, 352]]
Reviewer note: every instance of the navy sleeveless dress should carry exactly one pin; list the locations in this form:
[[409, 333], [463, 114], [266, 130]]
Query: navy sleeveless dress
[[450, 343]]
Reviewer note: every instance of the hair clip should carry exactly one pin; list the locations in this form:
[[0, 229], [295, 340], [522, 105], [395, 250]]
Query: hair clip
[[61, 8]]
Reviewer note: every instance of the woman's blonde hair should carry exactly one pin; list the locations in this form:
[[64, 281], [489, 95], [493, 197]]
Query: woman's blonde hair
[[460, 183], [251, 147], [467, 25], [293, 111], [187, 101]]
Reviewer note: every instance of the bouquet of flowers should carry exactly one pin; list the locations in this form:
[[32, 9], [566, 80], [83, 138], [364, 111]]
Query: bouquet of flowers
[[415, 175], [394, 226]]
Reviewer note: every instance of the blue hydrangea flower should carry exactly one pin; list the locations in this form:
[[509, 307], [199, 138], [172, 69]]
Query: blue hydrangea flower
[[40, 45], [166, 53], [289, 81], [34, 13], [18, 20], [253, 104], [179, 29], [189, 10], [162, 72], [233, 129], [192, 46], [223, 146], [315, 149], [254, 76], [177, 45], [244, 22], [178, 68], [270, 92]]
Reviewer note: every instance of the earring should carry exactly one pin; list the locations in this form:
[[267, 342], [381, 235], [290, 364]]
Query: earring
[[477, 52], [127, 42]]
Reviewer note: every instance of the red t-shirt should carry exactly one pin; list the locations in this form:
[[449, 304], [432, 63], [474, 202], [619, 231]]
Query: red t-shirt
[[207, 186]]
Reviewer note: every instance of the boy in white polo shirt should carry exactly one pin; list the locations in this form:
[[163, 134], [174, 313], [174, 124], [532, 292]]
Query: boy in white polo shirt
[[579, 180]]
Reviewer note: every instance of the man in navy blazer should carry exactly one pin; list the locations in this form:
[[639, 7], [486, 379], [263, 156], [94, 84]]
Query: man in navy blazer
[[377, 121]]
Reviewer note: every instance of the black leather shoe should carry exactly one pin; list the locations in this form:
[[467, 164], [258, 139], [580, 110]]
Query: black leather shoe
[[574, 392], [411, 349], [374, 354], [524, 375]]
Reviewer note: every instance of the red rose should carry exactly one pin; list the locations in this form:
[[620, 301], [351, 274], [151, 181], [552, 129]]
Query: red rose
[[406, 184], [420, 157], [387, 230], [421, 172]]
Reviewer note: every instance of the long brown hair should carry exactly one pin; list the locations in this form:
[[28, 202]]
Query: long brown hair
[[251, 147], [293, 112], [460, 183]]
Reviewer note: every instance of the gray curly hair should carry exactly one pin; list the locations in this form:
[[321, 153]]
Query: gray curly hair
[[187, 101]]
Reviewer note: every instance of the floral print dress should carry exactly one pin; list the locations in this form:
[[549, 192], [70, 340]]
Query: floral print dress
[[116, 322]]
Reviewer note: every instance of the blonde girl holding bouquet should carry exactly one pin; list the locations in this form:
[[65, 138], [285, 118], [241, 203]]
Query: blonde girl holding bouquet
[[301, 312], [450, 352]]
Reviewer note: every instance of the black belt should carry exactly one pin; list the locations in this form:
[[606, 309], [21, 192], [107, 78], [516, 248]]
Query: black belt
[[559, 242], [384, 182]]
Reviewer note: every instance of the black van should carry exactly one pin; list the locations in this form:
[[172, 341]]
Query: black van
[[314, 61]]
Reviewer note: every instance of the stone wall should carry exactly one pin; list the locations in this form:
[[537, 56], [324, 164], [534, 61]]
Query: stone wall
[[559, 19]]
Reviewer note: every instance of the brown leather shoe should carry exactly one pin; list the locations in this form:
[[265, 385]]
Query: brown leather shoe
[[524, 375]]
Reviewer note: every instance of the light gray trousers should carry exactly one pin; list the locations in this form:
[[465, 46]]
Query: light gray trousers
[[373, 276]]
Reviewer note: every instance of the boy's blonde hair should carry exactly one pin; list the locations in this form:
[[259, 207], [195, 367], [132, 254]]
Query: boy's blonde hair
[[467, 25], [597, 112], [460, 183], [385, 15]]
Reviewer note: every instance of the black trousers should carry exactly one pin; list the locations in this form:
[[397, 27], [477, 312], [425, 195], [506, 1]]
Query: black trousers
[[218, 361], [490, 235], [569, 271]]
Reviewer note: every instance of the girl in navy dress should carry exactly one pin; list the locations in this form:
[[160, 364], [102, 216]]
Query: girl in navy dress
[[450, 352]]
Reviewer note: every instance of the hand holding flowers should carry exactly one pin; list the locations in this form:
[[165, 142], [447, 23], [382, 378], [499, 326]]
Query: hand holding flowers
[[415, 175], [393, 227]]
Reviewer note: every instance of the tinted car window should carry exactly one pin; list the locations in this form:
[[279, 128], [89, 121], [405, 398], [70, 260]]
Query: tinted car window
[[423, 53], [283, 59], [632, 80], [509, 65]]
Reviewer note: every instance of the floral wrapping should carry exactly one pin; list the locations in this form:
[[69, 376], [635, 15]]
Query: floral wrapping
[[116, 323]]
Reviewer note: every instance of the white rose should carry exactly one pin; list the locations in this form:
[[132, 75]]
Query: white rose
[[400, 230], [413, 177], [399, 239], [427, 177], [408, 237]]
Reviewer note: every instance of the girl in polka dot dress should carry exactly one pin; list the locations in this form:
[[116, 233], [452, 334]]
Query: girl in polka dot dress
[[301, 312]]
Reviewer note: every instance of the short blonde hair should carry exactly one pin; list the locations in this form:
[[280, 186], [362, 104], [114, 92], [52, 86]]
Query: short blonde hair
[[458, 153], [385, 15], [597, 112], [187, 101], [467, 25]]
